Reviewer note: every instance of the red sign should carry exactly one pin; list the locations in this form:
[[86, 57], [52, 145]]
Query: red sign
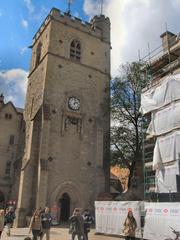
[[150, 210], [55, 211], [165, 210]]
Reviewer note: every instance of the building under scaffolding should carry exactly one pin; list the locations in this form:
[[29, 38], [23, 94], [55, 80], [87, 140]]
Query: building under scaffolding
[[160, 64]]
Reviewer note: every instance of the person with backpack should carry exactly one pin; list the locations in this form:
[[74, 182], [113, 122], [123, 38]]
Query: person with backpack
[[88, 220], [46, 220], [76, 225], [9, 219]]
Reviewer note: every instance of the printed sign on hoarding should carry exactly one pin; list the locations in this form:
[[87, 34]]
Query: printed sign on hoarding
[[111, 216]]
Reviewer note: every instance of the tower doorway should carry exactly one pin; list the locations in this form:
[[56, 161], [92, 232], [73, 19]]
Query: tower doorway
[[64, 203]]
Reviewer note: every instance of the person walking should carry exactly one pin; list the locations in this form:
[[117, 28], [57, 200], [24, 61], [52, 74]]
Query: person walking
[[130, 226], [35, 225], [88, 220], [1, 221], [46, 220], [76, 226], [9, 219]]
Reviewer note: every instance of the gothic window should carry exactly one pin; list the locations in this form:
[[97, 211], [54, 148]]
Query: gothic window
[[8, 168], [8, 116], [11, 140], [75, 50], [38, 53]]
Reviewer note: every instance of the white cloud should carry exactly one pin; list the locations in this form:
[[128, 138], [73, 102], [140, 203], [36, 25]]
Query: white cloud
[[24, 23], [35, 14], [23, 50], [13, 84], [9, 98], [90, 7], [40, 14], [29, 6], [134, 24]]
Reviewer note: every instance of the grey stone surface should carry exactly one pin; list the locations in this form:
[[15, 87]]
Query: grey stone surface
[[56, 234]]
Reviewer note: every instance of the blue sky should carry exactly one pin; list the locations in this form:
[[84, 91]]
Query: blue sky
[[19, 20], [134, 24]]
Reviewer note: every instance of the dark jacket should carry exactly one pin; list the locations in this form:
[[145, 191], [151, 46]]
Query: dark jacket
[[130, 226], [76, 225], [46, 220], [88, 220], [9, 217]]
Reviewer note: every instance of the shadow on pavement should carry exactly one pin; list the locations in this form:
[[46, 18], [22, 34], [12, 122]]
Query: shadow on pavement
[[18, 235], [108, 235]]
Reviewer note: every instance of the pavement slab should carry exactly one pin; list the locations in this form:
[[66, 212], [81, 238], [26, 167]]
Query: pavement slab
[[58, 233]]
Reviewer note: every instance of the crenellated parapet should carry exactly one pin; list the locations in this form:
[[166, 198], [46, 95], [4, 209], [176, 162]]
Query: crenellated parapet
[[41, 28], [98, 26]]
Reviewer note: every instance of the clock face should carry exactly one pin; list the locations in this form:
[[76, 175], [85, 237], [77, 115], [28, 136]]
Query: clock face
[[74, 103]]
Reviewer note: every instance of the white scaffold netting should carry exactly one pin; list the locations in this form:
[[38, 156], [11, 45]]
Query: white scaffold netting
[[166, 180], [165, 120], [161, 95], [167, 149]]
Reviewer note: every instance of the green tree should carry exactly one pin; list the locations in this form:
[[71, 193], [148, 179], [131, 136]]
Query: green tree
[[126, 137]]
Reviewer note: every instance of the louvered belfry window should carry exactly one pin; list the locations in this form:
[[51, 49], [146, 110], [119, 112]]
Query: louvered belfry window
[[75, 50]]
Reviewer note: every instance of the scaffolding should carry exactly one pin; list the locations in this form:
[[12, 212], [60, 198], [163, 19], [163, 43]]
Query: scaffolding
[[158, 63], [162, 60]]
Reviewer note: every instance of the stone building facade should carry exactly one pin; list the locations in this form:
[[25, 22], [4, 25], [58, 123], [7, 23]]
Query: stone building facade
[[11, 150], [67, 116]]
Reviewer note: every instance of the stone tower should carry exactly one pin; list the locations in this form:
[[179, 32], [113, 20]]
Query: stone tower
[[67, 115]]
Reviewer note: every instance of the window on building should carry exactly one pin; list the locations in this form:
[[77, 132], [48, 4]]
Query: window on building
[[8, 168], [38, 53], [8, 116], [75, 50], [11, 140]]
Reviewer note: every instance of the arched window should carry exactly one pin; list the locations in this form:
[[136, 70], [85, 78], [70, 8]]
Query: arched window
[[38, 53], [75, 50]]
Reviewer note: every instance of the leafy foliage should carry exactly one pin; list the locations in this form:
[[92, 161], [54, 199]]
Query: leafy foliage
[[126, 119]]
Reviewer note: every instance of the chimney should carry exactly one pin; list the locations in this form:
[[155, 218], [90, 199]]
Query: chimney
[[168, 40], [1, 100]]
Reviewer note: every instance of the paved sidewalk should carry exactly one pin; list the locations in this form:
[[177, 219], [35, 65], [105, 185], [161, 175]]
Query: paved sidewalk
[[56, 234]]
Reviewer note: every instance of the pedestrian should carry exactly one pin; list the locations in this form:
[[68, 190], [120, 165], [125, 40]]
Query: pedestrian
[[9, 219], [36, 225], [46, 220], [76, 226], [130, 226], [88, 220], [1, 221]]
